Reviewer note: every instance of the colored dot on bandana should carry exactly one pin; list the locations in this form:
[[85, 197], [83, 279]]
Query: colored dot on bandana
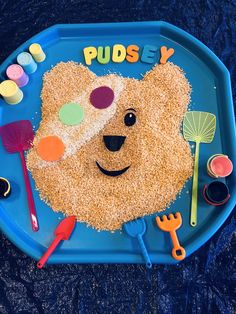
[[102, 97], [50, 148], [71, 114]]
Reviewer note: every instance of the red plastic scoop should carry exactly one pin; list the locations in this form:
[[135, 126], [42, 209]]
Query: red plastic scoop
[[62, 232], [16, 138]]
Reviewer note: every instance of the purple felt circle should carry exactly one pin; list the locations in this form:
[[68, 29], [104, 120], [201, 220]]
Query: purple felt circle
[[102, 97]]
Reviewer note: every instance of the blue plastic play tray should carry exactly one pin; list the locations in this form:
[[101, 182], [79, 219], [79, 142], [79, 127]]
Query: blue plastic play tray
[[211, 92]]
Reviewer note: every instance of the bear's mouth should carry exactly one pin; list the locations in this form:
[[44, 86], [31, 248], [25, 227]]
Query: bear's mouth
[[112, 173]]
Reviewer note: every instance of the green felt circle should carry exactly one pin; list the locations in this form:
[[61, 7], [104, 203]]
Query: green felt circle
[[71, 114]]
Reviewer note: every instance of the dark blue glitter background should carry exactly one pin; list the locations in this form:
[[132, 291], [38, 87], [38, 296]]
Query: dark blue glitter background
[[203, 283]]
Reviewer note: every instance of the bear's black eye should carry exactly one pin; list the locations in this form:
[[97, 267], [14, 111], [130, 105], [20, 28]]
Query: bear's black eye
[[130, 119]]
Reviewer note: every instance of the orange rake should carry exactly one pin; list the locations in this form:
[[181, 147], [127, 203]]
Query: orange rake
[[171, 224]]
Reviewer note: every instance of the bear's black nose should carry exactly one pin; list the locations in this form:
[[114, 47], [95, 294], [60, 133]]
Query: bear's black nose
[[113, 142]]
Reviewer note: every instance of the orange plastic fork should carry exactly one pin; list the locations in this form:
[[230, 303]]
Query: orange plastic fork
[[171, 224]]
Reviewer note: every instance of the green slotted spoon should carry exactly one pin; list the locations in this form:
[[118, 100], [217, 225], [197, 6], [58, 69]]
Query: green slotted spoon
[[198, 127]]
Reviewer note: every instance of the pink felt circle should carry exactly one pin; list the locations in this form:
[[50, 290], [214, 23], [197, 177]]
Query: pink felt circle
[[221, 166], [102, 97]]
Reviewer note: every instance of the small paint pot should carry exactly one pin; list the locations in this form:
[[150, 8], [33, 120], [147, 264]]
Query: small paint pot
[[16, 73], [5, 188], [210, 173], [11, 92], [216, 193], [27, 62], [220, 166], [37, 52]]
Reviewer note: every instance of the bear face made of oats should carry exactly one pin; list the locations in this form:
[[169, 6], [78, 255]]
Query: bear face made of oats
[[120, 162]]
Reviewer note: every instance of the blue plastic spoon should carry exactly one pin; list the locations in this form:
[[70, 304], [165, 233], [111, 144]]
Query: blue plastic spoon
[[136, 229]]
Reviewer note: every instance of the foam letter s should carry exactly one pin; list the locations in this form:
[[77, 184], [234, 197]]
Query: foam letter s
[[132, 53]]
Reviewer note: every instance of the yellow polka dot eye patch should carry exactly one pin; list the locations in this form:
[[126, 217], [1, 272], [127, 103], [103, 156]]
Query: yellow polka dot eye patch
[[76, 121]]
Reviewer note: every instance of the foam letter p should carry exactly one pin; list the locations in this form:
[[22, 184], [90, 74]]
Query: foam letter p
[[90, 53]]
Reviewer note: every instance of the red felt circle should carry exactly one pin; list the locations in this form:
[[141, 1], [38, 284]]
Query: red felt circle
[[102, 97]]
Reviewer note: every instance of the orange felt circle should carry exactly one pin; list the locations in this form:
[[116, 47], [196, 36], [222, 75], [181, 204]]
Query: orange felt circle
[[50, 148]]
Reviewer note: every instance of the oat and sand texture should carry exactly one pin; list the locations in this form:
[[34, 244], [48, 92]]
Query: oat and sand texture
[[123, 156]]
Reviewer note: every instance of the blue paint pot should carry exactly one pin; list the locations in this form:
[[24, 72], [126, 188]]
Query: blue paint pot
[[27, 62], [216, 193]]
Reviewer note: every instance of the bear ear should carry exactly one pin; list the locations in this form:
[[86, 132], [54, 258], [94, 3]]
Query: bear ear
[[169, 81], [62, 84]]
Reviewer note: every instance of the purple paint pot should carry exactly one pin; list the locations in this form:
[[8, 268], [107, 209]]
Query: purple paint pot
[[16, 73], [216, 193]]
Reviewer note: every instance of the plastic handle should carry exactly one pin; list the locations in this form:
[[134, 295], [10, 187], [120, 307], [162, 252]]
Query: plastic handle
[[193, 214], [178, 252], [144, 252], [49, 251], [33, 215]]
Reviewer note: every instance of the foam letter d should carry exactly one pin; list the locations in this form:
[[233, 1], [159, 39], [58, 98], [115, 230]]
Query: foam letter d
[[119, 53]]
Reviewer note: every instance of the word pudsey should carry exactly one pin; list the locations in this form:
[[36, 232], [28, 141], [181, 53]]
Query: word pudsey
[[132, 53], [124, 157]]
